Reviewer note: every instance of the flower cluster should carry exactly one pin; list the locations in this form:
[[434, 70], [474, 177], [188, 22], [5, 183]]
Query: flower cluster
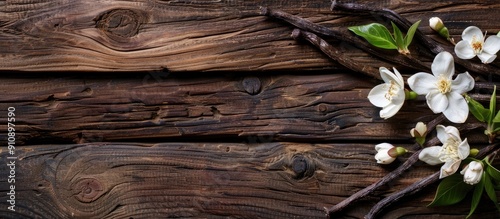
[[443, 93], [446, 94]]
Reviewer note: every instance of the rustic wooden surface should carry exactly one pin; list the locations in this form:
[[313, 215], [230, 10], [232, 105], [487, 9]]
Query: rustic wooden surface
[[207, 180], [256, 141], [238, 144], [308, 107], [160, 106], [192, 35]]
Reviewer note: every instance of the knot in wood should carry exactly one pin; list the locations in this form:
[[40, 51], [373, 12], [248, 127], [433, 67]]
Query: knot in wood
[[251, 85], [301, 167], [87, 189], [120, 22], [322, 108]]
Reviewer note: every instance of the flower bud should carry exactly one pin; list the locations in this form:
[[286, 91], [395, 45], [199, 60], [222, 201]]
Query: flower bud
[[436, 23], [472, 172], [387, 153], [473, 152], [410, 95], [419, 131]]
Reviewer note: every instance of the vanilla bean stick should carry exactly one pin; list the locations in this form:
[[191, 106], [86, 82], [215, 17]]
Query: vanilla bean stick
[[389, 177], [426, 41], [416, 187], [369, 189], [340, 36], [335, 53]]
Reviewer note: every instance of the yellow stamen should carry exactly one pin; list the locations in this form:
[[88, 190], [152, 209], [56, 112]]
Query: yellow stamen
[[449, 151], [392, 91], [444, 85], [477, 45]]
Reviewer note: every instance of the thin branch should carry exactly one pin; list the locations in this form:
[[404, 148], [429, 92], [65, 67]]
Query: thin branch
[[335, 53], [426, 41], [389, 177], [348, 38], [418, 186]]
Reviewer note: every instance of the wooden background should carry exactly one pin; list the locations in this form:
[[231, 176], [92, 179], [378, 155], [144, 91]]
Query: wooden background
[[205, 109]]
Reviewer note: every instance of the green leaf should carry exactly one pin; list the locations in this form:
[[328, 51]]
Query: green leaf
[[451, 190], [497, 118], [477, 109], [376, 34], [493, 103], [490, 189], [398, 36], [476, 196], [411, 33], [492, 171]]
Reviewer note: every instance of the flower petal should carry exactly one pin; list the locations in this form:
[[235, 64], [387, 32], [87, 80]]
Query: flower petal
[[464, 50], [387, 75], [444, 65], [437, 101], [401, 81], [385, 146], [449, 168], [377, 95], [457, 110], [422, 83], [486, 57], [463, 149], [441, 133], [452, 132], [471, 32], [462, 83], [492, 45], [390, 110], [430, 155], [384, 158]]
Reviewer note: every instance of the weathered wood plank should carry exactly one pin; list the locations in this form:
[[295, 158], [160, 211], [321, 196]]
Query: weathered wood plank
[[258, 108], [192, 35], [214, 180]]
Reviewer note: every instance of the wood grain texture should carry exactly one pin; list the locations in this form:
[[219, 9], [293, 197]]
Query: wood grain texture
[[193, 35], [207, 180], [161, 107]]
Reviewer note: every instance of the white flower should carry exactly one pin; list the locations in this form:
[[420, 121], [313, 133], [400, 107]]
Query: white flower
[[390, 95], [453, 151], [442, 93], [473, 44], [419, 131], [472, 172], [382, 155], [436, 23]]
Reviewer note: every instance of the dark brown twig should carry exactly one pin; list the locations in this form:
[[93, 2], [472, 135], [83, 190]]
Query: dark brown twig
[[426, 41], [340, 36], [417, 186], [389, 177], [335, 53]]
